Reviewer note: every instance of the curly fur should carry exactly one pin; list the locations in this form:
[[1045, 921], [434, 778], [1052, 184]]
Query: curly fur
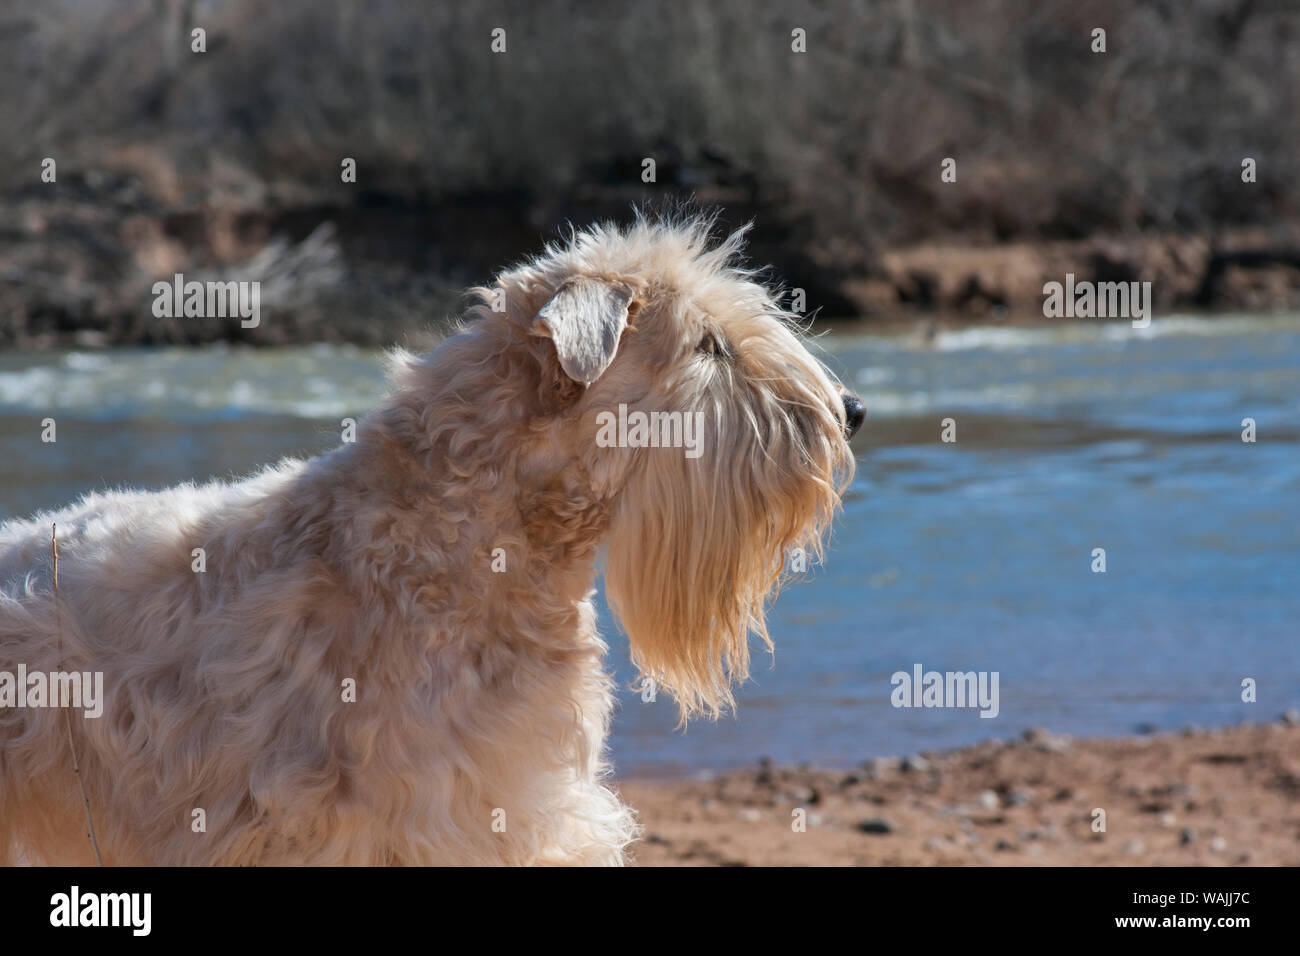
[[476, 691]]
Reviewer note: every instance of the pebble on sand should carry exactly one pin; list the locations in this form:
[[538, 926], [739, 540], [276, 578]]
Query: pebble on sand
[[878, 825], [915, 764]]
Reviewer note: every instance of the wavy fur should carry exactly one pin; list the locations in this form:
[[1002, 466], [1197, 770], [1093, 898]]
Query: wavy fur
[[477, 691]]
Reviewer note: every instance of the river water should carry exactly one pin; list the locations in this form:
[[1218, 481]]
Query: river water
[[973, 555]]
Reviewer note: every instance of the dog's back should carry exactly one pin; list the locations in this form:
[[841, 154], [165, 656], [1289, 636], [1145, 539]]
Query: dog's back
[[198, 618]]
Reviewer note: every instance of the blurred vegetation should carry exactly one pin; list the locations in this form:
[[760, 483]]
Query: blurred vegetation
[[228, 162]]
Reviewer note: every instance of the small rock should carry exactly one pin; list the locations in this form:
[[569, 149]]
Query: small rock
[[914, 764], [1044, 740], [1187, 837], [1135, 847], [1019, 798], [1143, 729], [749, 814], [876, 766], [1168, 819], [876, 825], [1218, 845], [988, 800], [1004, 845], [1034, 849], [1291, 716]]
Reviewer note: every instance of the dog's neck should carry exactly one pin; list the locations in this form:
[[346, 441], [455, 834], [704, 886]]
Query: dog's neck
[[469, 496]]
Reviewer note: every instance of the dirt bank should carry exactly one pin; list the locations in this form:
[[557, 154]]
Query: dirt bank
[[1213, 798]]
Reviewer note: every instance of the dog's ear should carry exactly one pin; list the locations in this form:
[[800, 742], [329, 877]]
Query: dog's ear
[[585, 318]]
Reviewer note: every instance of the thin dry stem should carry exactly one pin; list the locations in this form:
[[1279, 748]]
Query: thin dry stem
[[67, 715]]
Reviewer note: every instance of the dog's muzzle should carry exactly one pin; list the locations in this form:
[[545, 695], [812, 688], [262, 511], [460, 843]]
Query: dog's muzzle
[[855, 413]]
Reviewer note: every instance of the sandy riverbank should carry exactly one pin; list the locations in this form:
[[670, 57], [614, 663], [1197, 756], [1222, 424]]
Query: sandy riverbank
[[1222, 797]]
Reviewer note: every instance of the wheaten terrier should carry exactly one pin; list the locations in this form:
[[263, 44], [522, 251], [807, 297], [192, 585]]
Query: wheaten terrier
[[389, 654]]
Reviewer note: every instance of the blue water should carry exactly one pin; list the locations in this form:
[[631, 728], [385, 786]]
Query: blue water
[[974, 555]]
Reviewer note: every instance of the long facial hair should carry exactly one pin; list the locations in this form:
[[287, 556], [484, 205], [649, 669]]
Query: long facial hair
[[699, 545]]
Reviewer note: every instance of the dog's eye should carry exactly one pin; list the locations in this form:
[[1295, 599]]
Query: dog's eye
[[711, 345]]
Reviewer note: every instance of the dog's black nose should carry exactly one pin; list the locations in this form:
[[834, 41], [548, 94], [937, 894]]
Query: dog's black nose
[[854, 414]]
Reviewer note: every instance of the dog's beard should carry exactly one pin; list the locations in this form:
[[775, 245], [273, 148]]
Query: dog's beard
[[697, 546]]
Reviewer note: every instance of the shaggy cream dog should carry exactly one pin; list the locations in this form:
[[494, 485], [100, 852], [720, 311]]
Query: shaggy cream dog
[[442, 566]]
